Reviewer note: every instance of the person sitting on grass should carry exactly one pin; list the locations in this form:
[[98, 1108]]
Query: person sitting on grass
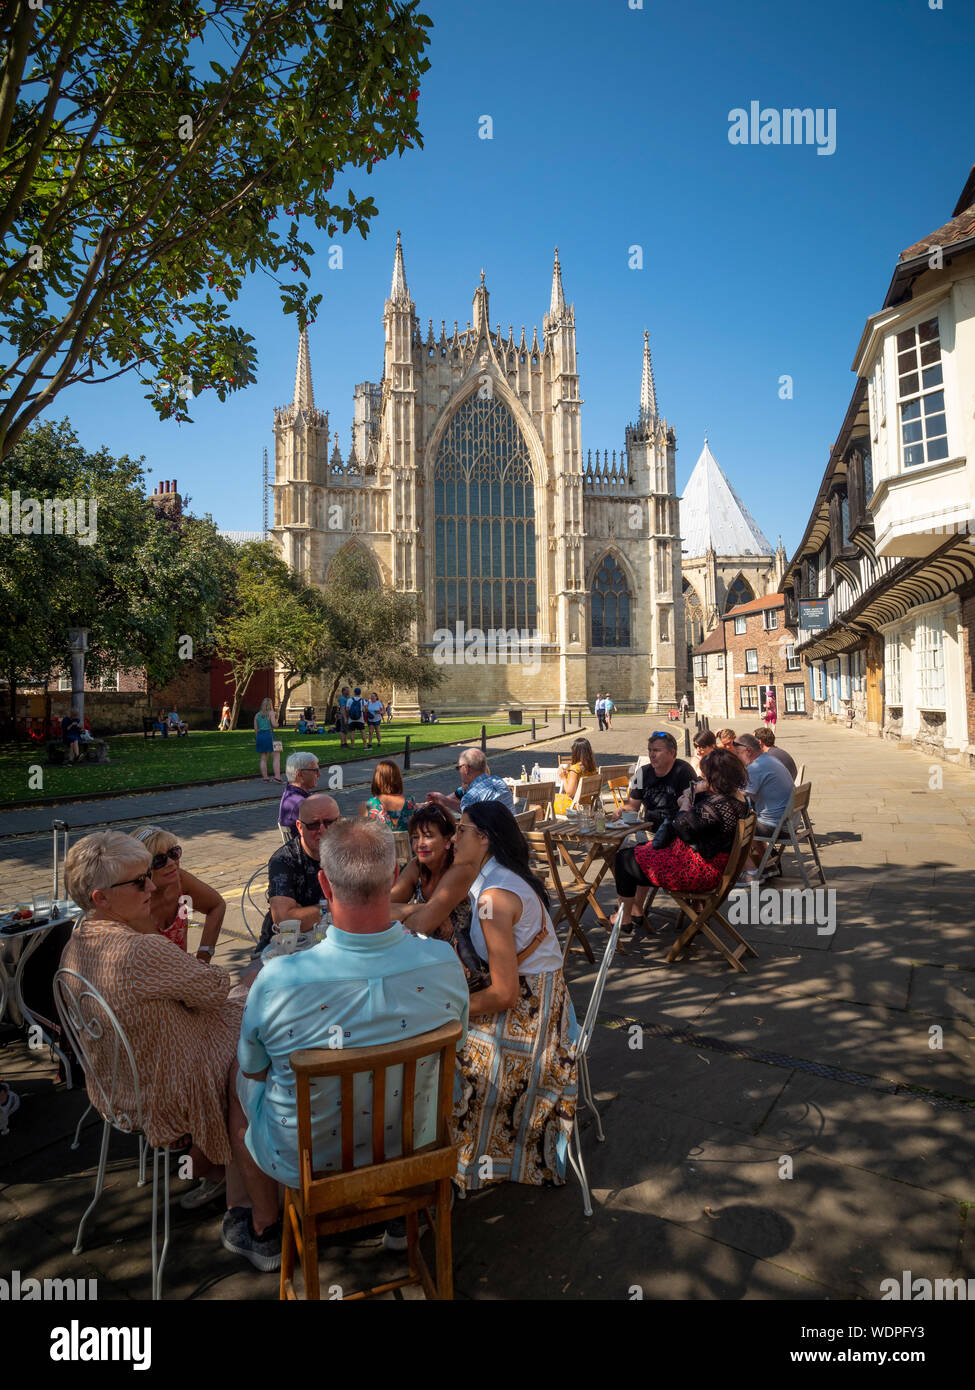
[[178, 893], [389, 802], [704, 827], [302, 771]]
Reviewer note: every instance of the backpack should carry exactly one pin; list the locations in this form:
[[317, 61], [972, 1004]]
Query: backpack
[[355, 709]]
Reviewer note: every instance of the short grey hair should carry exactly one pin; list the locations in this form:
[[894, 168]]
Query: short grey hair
[[359, 860], [99, 861], [474, 759], [297, 762]]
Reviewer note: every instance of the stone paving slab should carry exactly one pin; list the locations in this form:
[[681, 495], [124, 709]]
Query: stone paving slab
[[898, 1137]]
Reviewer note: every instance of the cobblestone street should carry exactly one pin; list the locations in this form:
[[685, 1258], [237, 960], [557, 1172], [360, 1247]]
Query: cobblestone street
[[800, 1131]]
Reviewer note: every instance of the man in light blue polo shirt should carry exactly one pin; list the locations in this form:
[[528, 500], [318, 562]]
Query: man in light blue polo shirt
[[769, 789], [477, 784], [366, 983]]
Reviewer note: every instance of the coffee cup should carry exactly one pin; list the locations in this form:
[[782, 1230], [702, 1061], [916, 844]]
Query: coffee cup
[[287, 934]]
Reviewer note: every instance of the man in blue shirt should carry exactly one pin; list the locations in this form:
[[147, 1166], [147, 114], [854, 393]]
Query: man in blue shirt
[[477, 784], [769, 789], [367, 983]]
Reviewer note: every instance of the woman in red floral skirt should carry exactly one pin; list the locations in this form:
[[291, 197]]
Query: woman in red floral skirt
[[704, 831]]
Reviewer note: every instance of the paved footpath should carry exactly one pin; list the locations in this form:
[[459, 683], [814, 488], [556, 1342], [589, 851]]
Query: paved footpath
[[802, 1131]]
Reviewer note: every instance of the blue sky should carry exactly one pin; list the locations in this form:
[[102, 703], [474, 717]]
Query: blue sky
[[610, 129]]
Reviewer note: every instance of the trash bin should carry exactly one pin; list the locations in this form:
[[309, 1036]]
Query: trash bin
[[514, 716]]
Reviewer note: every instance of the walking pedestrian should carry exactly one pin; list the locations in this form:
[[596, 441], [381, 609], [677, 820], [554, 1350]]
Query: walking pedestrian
[[684, 707], [265, 723], [600, 708], [608, 708]]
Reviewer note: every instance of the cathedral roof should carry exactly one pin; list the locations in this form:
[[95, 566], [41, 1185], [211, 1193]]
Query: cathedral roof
[[713, 516]]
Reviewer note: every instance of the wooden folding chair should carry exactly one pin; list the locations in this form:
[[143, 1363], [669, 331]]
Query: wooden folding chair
[[588, 790], [703, 912], [525, 820], [800, 774], [795, 829], [389, 1187], [536, 794], [404, 850], [619, 790], [572, 897], [802, 825]]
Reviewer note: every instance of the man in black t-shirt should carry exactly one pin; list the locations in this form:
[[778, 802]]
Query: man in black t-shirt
[[655, 789], [293, 889]]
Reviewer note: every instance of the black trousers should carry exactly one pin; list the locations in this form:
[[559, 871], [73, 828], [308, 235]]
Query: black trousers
[[628, 874], [602, 720]]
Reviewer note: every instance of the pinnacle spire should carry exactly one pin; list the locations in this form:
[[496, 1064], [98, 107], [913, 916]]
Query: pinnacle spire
[[648, 395], [557, 306], [304, 391], [399, 291]]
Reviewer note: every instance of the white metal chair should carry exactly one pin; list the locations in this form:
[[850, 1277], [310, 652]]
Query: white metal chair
[[115, 1092], [582, 1049], [258, 877], [286, 833]]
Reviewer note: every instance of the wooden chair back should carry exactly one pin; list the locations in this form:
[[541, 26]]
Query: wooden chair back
[[326, 1191], [525, 820], [608, 771], [800, 775], [619, 790], [404, 850], [587, 792], [800, 799], [535, 794]]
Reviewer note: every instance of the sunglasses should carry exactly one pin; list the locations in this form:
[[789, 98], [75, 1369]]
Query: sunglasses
[[139, 882], [661, 733], [158, 860], [318, 824]]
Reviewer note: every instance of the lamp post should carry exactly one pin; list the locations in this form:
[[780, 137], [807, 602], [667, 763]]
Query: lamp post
[[78, 645]]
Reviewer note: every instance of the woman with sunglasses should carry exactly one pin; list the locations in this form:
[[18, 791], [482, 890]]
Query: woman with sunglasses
[[515, 1098], [178, 893], [431, 893]]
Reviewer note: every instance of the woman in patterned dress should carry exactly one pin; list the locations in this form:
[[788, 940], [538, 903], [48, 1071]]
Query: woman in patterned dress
[[389, 802], [515, 1096], [178, 893], [704, 827], [432, 889]]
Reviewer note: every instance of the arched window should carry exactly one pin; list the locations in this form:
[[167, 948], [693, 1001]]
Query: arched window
[[610, 606], [484, 505], [739, 592], [693, 622]]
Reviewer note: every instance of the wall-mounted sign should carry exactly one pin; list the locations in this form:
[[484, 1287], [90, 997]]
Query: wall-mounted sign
[[813, 614]]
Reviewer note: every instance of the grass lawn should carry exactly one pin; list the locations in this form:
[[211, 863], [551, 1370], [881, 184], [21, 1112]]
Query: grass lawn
[[205, 756]]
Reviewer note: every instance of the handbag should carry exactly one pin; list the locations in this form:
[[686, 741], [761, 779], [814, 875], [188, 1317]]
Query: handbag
[[665, 836], [277, 746]]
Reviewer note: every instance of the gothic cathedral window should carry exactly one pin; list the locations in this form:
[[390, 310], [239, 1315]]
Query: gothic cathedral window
[[739, 592], [484, 502], [610, 603], [693, 621]]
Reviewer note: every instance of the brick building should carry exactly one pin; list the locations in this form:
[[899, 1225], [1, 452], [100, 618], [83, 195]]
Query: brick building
[[751, 652]]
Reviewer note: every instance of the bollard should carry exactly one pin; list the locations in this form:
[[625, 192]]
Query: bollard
[[697, 721], [580, 719], [687, 742], [563, 723], [406, 755], [533, 728], [545, 717], [483, 738]]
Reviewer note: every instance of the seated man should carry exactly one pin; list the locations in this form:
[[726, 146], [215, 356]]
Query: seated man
[[181, 728], [367, 983], [766, 738], [477, 784], [302, 772], [656, 787], [293, 889], [769, 789]]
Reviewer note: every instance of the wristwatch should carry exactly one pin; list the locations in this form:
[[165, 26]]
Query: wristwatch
[[208, 950]]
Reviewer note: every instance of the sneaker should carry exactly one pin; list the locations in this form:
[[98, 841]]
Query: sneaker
[[205, 1191], [238, 1236], [395, 1235]]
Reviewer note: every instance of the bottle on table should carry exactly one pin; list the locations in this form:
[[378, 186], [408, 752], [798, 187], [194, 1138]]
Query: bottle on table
[[324, 921], [524, 773], [536, 773]]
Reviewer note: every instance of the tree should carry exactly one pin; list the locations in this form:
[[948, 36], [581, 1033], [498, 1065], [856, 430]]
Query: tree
[[370, 630], [149, 592], [144, 169]]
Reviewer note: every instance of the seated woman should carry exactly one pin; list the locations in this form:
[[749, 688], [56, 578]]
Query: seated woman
[[432, 889], [389, 802], [704, 826], [582, 763], [726, 738], [182, 1027], [516, 1095], [178, 893], [704, 743]]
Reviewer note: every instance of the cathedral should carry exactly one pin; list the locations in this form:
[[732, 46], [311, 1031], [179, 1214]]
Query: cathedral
[[544, 574]]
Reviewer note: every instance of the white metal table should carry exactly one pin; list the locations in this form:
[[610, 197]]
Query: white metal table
[[17, 945]]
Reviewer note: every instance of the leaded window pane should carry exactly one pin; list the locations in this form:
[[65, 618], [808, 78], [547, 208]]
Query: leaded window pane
[[610, 606]]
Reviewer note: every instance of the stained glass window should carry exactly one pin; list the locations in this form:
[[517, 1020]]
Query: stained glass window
[[484, 521], [610, 606], [739, 592]]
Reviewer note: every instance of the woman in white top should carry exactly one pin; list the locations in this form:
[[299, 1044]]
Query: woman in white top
[[517, 1069]]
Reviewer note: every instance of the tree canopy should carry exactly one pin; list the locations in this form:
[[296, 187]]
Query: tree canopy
[[148, 147]]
